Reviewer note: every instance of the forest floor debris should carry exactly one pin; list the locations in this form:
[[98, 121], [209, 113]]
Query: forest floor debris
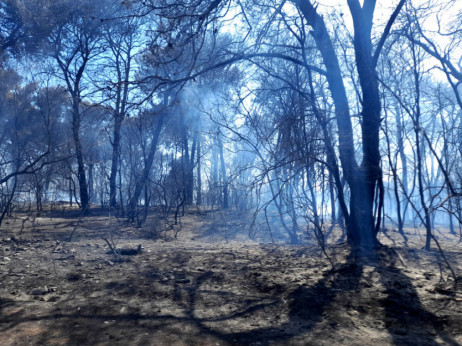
[[210, 291]]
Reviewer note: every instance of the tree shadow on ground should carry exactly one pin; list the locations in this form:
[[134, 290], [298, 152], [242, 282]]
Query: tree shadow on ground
[[91, 320], [307, 305], [407, 321], [104, 321]]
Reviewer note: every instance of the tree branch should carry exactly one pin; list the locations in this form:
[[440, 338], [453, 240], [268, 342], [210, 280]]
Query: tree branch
[[29, 169], [386, 32]]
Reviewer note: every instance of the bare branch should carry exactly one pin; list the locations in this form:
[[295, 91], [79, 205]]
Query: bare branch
[[386, 32]]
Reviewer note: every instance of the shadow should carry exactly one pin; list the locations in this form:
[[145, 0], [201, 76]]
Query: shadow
[[407, 321], [5, 304], [307, 305], [200, 305]]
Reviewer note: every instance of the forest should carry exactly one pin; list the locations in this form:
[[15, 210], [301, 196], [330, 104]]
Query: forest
[[230, 172]]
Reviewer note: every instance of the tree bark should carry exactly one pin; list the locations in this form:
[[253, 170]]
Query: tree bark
[[224, 178], [115, 161], [199, 179], [83, 188], [365, 178], [142, 179]]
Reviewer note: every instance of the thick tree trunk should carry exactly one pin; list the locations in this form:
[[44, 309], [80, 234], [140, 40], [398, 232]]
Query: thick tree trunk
[[190, 171], [115, 161], [362, 226], [7, 205], [362, 180], [123, 63], [188, 163], [342, 114], [91, 167], [83, 188], [122, 209], [199, 180], [71, 192], [369, 173]]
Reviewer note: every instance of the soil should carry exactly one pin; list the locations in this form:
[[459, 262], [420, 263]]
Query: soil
[[214, 285]]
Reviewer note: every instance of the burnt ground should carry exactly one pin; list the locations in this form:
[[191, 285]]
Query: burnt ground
[[212, 285]]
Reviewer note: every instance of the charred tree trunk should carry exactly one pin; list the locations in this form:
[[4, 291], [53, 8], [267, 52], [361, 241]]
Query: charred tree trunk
[[115, 161], [199, 180], [333, 215], [91, 168], [122, 49], [187, 163], [83, 187], [140, 182], [402, 155], [224, 178], [363, 180], [419, 150], [363, 185], [215, 194], [121, 200], [395, 186]]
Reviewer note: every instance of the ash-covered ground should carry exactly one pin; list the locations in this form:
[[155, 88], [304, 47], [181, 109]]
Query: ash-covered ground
[[213, 285]]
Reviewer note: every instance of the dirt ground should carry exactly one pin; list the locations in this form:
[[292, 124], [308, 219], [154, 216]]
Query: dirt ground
[[213, 285]]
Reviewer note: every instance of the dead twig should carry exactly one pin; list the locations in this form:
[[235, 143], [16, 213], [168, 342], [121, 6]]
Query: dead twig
[[112, 247]]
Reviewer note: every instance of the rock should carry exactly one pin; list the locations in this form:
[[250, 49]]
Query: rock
[[39, 291], [96, 294], [73, 277], [53, 299], [428, 275], [130, 252]]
